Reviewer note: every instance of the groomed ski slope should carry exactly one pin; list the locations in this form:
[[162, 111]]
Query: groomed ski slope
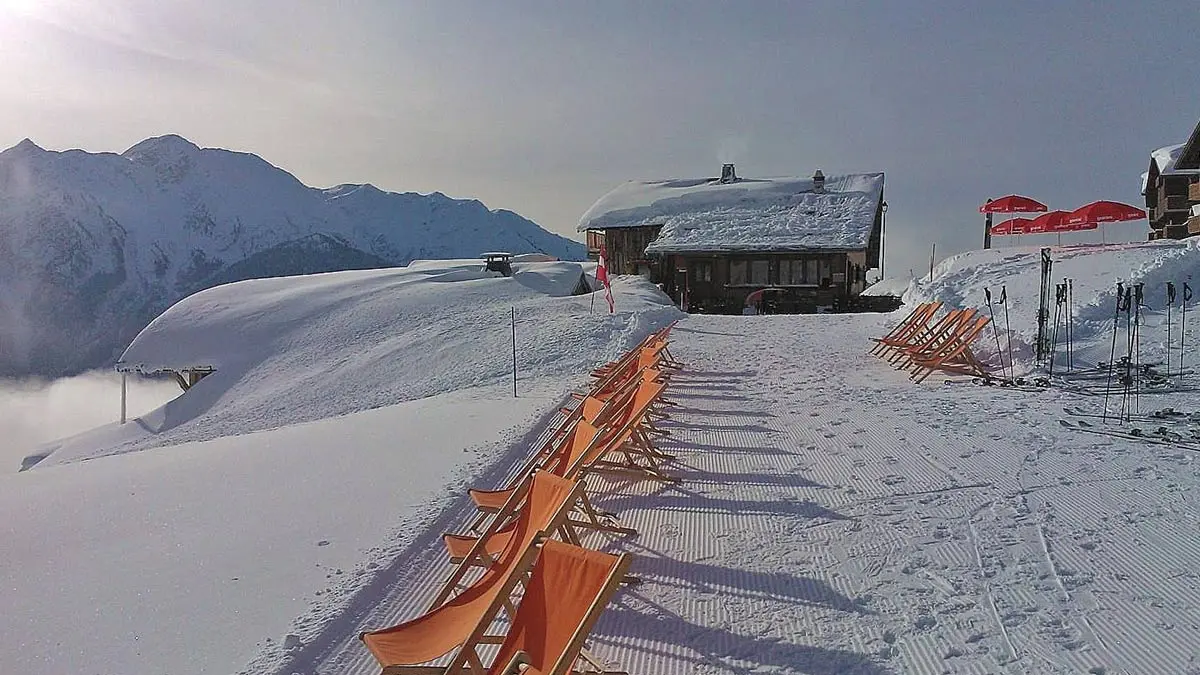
[[830, 517]]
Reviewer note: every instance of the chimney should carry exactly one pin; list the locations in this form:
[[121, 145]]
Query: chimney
[[727, 174], [818, 181]]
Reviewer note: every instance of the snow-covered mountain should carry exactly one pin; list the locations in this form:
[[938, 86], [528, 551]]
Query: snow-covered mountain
[[94, 245]]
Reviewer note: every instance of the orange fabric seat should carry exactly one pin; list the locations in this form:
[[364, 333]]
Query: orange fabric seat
[[568, 590], [449, 624]]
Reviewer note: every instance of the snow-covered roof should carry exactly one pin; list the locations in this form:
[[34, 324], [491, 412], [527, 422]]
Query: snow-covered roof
[[1164, 159], [746, 215]]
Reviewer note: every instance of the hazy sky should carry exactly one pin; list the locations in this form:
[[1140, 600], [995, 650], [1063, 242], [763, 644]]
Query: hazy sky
[[541, 107]]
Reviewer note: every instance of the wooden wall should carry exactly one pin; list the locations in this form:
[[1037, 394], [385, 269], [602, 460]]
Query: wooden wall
[[720, 283], [627, 248]]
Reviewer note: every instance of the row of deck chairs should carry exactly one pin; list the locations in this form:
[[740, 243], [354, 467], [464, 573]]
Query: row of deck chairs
[[920, 345], [520, 577]]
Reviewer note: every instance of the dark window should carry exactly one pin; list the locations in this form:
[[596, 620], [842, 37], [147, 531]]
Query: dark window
[[758, 272], [812, 274], [737, 272], [791, 272], [702, 271]]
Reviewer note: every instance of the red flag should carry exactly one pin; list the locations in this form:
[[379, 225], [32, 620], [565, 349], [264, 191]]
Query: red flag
[[602, 277]]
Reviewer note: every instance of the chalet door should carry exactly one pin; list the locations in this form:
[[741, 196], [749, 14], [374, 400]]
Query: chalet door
[[681, 288]]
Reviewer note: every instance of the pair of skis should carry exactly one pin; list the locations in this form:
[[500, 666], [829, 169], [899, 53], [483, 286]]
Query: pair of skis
[[1159, 436]]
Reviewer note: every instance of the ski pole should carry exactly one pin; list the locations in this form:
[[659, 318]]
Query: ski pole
[[987, 293], [1170, 301], [1112, 351], [1137, 347], [1187, 297], [1060, 292], [1012, 375], [1070, 326]]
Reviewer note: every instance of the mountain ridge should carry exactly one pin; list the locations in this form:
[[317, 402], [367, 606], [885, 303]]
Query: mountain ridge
[[94, 245]]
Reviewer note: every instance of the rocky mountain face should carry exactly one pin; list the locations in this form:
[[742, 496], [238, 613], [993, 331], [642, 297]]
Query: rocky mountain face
[[95, 245]]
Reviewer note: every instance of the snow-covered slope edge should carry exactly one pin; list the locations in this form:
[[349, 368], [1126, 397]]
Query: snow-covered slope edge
[[1094, 270], [298, 349], [94, 245]]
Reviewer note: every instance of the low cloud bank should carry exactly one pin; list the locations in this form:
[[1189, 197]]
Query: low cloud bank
[[33, 412]]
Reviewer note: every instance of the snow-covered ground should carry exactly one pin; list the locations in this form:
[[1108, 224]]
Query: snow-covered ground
[[830, 517]]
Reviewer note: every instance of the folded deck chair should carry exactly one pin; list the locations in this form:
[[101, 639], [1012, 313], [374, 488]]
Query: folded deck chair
[[955, 355], [955, 322], [906, 329], [567, 592], [930, 339]]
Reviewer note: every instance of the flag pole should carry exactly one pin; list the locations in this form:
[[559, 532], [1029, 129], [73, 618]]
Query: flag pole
[[514, 349]]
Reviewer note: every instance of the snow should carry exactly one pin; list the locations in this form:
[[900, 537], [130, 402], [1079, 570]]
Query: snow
[[297, 349], [1166, 157], [345, 412], [747, 215], [830, 516], [1094, 269], [895, 287], [116, 239]]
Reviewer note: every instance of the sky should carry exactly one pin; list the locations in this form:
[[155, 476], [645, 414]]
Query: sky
[[542, 107]]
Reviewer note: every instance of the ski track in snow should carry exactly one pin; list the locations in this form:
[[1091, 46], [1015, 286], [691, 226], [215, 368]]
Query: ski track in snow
[[831, 517]]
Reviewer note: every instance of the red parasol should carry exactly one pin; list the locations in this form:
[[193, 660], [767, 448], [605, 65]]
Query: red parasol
[[1105, 212], [1013, 204], [1048, 222], [1012, 226]]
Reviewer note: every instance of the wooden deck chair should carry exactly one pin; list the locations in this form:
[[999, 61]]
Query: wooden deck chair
[[624, 439], [542, 503], [906, 329], [934, 344], [954, 356], [550, 627], [546, 512], [924, 336], [929, 339], [463, 625], [582, 449], [649, 353], [460, 623], [605, 369], [582, 436]]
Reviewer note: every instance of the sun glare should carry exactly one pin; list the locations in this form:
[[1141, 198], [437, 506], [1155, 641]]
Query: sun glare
[[34, 9]]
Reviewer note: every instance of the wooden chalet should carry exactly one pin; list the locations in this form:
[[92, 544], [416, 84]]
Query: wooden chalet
[[1172, 190], [711, 243]]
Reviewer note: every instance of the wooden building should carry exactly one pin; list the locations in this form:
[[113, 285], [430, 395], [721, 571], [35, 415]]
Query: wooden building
[[1172, 190], [711, 243]]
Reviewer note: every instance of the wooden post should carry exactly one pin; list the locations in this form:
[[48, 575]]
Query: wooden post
[[932, 254], [514, 346], [124, 395], [987, 228]]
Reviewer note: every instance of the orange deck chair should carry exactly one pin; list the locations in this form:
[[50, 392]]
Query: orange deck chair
[[953, 356], [930, 339], [549, 629], [956, 321], [459, 622], [542, 503], [626, 438], [568, 588], [906, 329], [583, 448]]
